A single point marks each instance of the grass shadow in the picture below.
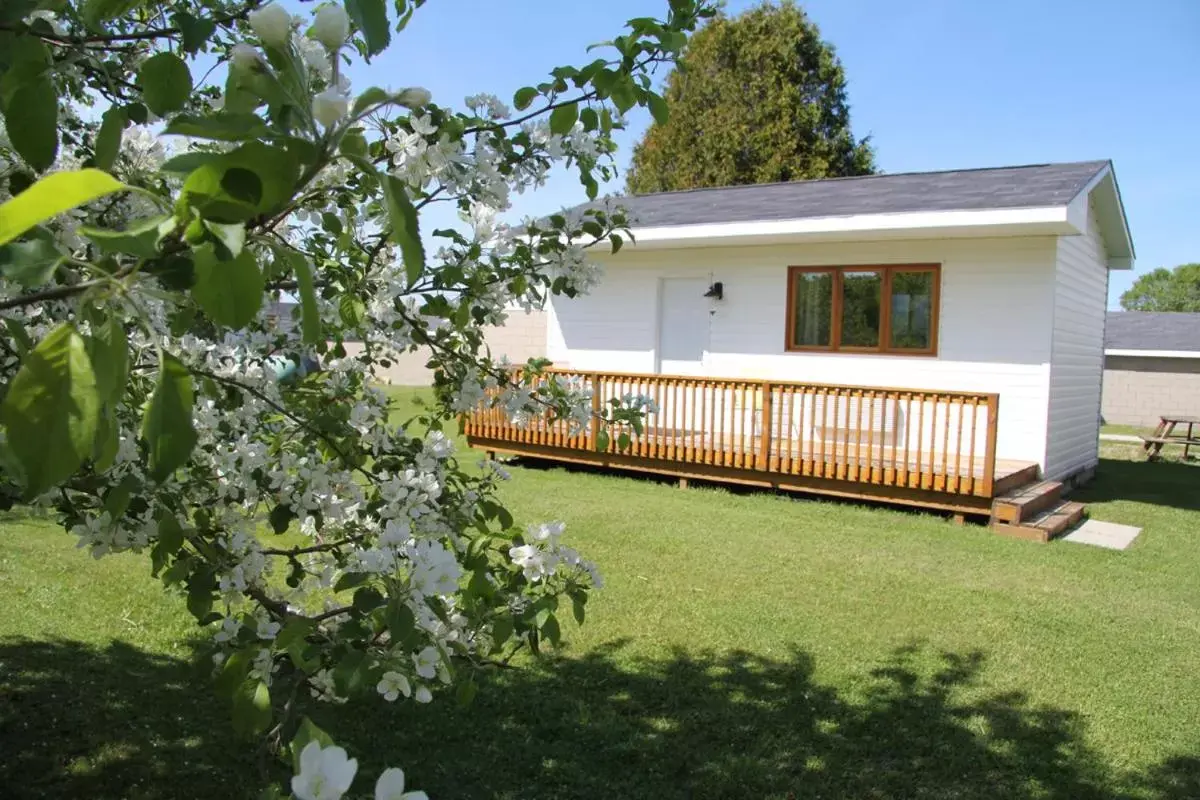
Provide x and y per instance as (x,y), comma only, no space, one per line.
(78,721)
(736,725)
(82,721)
(1173,484)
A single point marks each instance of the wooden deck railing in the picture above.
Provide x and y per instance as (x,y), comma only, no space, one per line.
(923,439)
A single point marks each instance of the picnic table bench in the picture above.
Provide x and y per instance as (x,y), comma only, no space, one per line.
(1165,434)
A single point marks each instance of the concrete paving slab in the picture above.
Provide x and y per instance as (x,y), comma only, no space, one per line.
(1103,534)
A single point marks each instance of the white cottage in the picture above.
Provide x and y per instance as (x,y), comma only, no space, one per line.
(929,338)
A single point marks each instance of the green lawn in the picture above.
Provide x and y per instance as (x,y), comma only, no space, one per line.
(747,645)
(1127,430)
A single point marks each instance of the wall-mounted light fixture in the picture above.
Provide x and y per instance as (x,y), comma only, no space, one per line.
(717,291)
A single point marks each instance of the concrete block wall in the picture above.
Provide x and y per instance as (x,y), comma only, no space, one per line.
(1138,390)
(522,337)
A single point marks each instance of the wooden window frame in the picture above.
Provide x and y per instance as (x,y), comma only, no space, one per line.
(886,272)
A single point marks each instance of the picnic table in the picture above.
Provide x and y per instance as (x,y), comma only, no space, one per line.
(1165,434)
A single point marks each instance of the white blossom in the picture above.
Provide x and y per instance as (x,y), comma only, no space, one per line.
(426,662)
(392,685)
(331,26)
(330,106)
(414,97)
(271,24)
(390,786)
(244,56)
(325,773)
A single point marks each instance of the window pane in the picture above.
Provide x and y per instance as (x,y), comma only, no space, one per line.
(912,310)
(861,296)
(813,307)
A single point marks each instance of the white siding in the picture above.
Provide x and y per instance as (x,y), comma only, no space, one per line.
(1077,352)
(997,300)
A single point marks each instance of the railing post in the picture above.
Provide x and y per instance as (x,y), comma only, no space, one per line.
(989,449)
(764,446)
(595,410)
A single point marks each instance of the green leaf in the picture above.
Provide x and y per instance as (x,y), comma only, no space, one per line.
(185,163)
(577,607)
(51,408)
(617,242)
(31,262)
(623,96)
(466,691)
(108,139)
(400,620)
(108,348)
(350,673)
(367,599)
(228,240)
(354,143)
(551,630)
(294,632)
(108,441)
(138,114)
(371,97)
(51,196)
(167,425)
(230,292)
(166,83)
(20,336)
(201,587)
(590,119)
(524,97)
(96,12)
(255,179)
(563,118)
(310,315)
(370,17)
(623,442)
(226,126)
(234,672)
(170,540)
(251,708)
(602,441)
(281,517)
(27,58)
(116,501)
(195,31)
(502,629)
(307,732)
(403,216)
(140,240)
(658,108)
(31,119)
(349,580)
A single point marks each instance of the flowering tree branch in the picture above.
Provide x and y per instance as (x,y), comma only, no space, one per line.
(165,177)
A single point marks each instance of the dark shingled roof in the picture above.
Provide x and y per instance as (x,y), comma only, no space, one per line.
(1032,186)
(1152,330)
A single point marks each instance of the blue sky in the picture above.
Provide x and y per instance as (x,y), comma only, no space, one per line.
(938,84)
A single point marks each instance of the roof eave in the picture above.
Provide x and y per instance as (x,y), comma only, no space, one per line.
(1040,221)
(1103,191)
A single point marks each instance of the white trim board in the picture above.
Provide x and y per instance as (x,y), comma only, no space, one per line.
(1046,221)
(1153,353)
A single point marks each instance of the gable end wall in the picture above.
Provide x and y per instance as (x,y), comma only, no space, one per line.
(1077,352)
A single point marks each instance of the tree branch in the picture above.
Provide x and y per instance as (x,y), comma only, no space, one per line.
(316,548)
(151,33)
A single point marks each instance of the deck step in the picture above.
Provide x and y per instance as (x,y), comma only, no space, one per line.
(1044,526)
(1027,501)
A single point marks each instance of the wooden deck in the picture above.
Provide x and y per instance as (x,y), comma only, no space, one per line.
(927,448)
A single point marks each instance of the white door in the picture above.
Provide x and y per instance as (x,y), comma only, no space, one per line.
(683,322)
